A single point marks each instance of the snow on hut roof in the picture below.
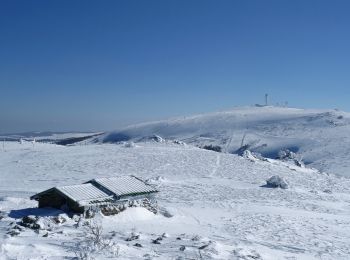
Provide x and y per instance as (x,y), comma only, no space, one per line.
(123,186)
(101,190)
(83,192)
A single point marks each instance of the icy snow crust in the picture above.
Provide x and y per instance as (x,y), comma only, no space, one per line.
(216,204)
(321,137)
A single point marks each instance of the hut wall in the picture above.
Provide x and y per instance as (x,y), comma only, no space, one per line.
(73,206)
(52,199)
(56,200)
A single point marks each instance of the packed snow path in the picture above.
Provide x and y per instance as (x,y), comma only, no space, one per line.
(230,214)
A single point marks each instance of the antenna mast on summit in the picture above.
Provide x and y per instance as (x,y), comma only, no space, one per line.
(266,96)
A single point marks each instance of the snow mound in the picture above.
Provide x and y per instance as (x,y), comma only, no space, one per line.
(156,180)
(129,144)
(134,214)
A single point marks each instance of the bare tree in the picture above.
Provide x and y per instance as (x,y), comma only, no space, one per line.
(95,243)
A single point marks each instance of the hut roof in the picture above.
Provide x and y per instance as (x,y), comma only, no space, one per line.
(101,190)
(84,193)
(124,186)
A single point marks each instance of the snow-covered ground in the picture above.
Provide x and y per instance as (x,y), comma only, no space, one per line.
(216,204)
(321,137)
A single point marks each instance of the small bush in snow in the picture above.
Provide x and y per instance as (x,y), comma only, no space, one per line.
(277,182)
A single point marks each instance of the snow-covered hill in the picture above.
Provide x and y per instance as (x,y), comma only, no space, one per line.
(212,205)
(216,203)
(320,137)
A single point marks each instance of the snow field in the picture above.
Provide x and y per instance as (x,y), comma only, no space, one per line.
(217,202)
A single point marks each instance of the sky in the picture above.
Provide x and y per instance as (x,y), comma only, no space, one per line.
(101,65)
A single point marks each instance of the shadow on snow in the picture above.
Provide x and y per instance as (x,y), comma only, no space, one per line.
(42,212)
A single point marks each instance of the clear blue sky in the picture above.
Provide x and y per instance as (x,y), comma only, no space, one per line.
(99,65)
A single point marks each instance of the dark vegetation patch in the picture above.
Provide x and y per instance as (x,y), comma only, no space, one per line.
(215,148)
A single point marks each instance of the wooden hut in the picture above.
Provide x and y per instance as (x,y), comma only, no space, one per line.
(95,193)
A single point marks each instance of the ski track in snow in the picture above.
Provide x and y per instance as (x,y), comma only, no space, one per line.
(216,166)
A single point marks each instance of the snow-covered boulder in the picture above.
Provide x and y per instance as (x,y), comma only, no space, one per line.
(157,180)
(287,155)
(277,182)
(158,139)
(248,155)
(129,145)
(253,156)
(152,138)
(179,142)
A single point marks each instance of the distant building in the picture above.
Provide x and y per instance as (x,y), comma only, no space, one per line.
(95,193)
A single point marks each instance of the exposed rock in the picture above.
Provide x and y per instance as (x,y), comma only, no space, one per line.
(13,233)
(30,222)
(18,228)
(156,241)
(253,156)
(196,238)
(150,205)
(59,219)
(203,246)
(165,235)
(157,139)
(287,155)
(179,142)
(116,209)
(89,214)
(132,237)
(246,254)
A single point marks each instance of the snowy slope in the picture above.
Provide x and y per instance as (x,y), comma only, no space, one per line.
(219,207)
(321,137)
